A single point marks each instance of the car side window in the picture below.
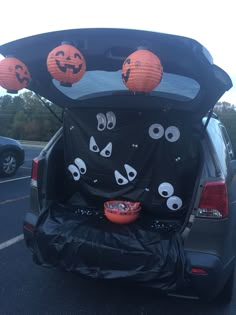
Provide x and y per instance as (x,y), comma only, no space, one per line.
(228,142)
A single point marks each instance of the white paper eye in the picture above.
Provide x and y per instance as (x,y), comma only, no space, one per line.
(93,145)
(172,134)
(174,203)
(106,152)
(111,120)
(166,190)
(81,165)
(120,179)
(156,131)
(102,122)
(131,172)
(74,171)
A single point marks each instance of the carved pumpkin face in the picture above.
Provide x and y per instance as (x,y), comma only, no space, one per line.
(14,75)
(142,71)
(66,64)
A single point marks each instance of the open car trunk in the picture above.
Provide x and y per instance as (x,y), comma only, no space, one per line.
(151,156)
(120,143)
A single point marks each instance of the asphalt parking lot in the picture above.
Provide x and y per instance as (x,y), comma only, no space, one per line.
(30,289)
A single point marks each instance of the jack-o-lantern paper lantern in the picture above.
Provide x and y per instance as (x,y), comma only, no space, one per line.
(142,71)
(66,64)
(14,75)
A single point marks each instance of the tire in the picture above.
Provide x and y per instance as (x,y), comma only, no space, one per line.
(8,163)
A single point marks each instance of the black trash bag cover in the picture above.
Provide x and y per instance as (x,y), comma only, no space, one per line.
(84,241)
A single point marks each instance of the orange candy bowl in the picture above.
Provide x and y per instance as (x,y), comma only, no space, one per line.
(121,212)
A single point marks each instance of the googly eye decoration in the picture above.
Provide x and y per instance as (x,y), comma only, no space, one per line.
(130,171)
(156,131)
(107,151)
(81,165)
(102,122)
(111,120)
(120,179)
(108,121)
(131,174)
(172,134)
(74,171)
(93,145)
(166,190)
(174,203)
(78,170)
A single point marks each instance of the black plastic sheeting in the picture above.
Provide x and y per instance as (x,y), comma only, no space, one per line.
(146,251)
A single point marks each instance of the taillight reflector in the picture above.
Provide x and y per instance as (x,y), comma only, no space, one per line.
(214,200)
(199,271)
(29,227)
(34,172)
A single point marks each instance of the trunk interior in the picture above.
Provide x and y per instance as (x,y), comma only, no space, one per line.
(146,156)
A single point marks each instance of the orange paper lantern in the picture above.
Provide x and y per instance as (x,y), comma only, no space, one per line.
(14,75)
(142,71)
(66,64)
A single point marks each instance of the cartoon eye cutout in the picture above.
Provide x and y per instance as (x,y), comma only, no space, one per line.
(102,122)
(106,152)
(121,180)
(74,171)
(174,203)
(156,131)
(81,165)
(172,134)
(131,172)
(111,120)
(166,190)
(93,145)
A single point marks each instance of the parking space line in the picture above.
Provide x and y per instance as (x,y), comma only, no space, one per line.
(13,179)
(12,241)
(13,200)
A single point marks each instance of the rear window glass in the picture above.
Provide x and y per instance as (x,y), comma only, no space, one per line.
(94,82)
(227,141)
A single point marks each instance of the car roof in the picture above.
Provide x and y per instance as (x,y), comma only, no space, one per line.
(106,49)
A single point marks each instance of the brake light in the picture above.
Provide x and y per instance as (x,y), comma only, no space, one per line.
(34,172)
(214,200)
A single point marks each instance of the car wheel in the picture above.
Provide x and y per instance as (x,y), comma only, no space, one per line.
(8,163)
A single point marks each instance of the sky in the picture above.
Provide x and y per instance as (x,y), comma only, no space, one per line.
(210,22)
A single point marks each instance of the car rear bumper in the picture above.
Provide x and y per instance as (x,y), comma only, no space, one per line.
(210,283)
(205,285)
(29,225)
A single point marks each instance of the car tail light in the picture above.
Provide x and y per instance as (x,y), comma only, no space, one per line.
(34,172)
(214,200)
(198,271)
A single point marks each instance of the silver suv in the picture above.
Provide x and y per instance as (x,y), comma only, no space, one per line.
(162,149)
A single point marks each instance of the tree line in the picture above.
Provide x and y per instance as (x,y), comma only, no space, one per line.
(26,117)
(227,114)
